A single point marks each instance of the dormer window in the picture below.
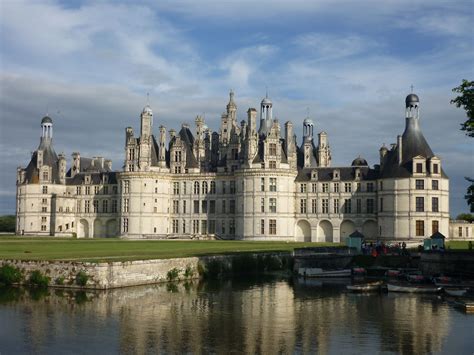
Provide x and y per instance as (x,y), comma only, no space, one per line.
(435,169)
(335,175)
(419,168)
(314,175)
(88,179)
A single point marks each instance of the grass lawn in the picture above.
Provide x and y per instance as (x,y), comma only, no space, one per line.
(96,250)
(458,244)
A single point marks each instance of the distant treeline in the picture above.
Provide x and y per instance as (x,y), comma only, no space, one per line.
(7,223)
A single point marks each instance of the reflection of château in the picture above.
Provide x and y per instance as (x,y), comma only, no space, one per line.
(242,182)
(267,318)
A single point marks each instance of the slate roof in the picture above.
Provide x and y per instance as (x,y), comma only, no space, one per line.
(345,173)
(50,159)
(96,178)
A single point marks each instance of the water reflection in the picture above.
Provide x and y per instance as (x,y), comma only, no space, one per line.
(243,316)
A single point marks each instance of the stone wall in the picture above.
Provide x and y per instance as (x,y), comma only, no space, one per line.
(143,272)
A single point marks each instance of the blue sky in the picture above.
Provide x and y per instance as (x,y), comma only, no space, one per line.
(91,63)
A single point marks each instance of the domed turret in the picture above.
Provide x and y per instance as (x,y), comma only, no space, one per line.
(147,109)
(46,119)
(359,161)
(412,100)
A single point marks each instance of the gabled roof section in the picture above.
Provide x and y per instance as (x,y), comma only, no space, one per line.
(50,159)
(345,173)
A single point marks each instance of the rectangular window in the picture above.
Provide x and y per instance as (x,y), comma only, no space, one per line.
(370,187)
(43,228)
(78,206)
(460,232)
(43,219)
(347,205)
(420,184)
(262,205)
(325,205)
(184,187)
(195,226)
(381,186)
(232,227)
(88,190)
(175,206)
(126,187)
(358,205)
(114,189)
(232,206)
(44,209)
(125,225)
(434,184)
(223,227)
(175,188)
(348,187)
(223,206)
(262,184)
(78,190)
(96,190)
(204,206)
(105,206)
(420,228)
(87,206)
(381,205)
(325,187)
(95,205)
(435,169)
(212,226)
(184,206)
(336,187)
(273,205)
(273,149)
(420,204)
(232,187)
(175,227)
(370,205)
(314,188)
(196,206)
(303,205)
(212,206)
(204,227)
(358,187)
(105,190)
(303,188)
(262,226)
(224,187)
(419,168)
(125,204)
(434,227)
(435,204)
(273,164)
(272,226)
(336,205)
(114,206)
(273,184)
(314,206)
(213,187)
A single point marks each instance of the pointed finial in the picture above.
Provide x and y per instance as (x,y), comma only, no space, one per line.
(148,98)
(266,91)
(411,87)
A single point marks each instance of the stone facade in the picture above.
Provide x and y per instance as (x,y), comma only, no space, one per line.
(243,182)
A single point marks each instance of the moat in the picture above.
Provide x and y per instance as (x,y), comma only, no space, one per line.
(245,315)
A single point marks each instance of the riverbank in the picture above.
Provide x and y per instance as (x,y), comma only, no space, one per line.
(113,249)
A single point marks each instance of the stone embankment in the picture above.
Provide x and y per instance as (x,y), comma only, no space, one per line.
(108,275)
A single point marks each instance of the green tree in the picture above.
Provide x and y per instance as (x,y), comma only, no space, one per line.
(465,217)
(7,224)
(466,100)
(470,194)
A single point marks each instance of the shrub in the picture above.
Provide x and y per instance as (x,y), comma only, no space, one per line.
(59,280)
(10,274)
(38,279)
(81,278)
(172,274)
(188,272)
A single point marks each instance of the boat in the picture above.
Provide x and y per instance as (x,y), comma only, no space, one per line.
(318,272)
(368,287)
(393,273)
(413,289)
(457,292)
(359,271)
(415,278)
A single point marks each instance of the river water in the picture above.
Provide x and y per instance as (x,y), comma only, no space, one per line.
(249,316)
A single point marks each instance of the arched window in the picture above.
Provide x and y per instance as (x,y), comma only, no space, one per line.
(204,187)
(196,187)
